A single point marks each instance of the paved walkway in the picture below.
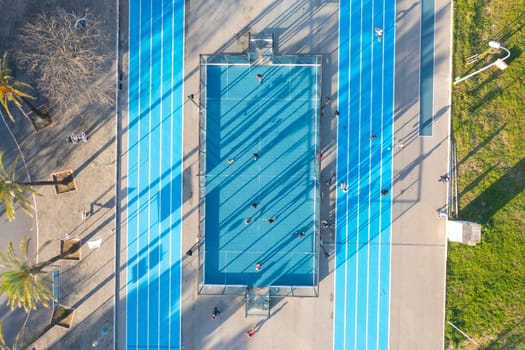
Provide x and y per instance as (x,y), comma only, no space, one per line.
(419,245)
(299,27)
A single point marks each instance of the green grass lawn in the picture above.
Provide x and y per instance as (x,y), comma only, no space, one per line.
(486,284)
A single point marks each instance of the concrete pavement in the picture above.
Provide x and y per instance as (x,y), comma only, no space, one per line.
(419,245)
(307,27)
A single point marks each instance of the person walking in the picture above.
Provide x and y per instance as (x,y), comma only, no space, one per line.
(444,178)
(250,333)
(216,312)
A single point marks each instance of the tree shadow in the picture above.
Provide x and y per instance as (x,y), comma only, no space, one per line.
(497,195)
(476,149)
(477,180)
(511,338)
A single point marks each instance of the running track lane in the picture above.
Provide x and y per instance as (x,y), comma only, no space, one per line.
(363,215)
(156,48)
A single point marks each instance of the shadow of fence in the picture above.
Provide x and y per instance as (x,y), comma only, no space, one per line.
(497,195)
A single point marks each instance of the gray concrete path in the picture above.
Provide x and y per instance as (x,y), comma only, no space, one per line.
(419,245)
(308,27)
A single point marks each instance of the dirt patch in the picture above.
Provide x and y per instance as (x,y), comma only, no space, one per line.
(63,316)
(65,182)
(70,249)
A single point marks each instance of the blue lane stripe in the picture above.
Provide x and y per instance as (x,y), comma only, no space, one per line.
(165,150)
(363,216)
(427,68)
(386,176)
(154,180)
(133,114)
(176,175)
(154,173)
(376,127)
(364,175)
(141,268)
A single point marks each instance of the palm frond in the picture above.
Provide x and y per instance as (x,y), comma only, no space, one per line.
(24,248)
(12,192)
(25,285)
(9,89)
(22,84)
(3,344)
(4,104)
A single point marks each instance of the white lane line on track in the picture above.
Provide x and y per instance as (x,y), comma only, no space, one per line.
(149,115)
(170,179)
(159,191)
(179,345)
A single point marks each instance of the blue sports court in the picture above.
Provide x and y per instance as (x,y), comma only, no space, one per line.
(259,185)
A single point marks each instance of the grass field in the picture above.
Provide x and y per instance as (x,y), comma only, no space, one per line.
(486,284)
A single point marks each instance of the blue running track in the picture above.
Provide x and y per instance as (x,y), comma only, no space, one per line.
(364,164)
(154,200)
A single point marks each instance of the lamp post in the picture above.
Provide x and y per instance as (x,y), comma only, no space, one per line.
(500,62)
(103,332)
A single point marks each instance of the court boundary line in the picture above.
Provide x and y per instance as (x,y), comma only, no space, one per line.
(227,64)
(315,73)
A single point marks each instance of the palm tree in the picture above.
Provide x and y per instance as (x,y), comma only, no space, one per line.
(25,284)
(12,192)
(19,336)
(3,344)
(9,89)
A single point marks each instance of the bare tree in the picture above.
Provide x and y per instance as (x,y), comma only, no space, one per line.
(66,53)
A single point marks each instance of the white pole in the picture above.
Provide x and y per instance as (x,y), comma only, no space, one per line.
(495,45)
(464,334)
